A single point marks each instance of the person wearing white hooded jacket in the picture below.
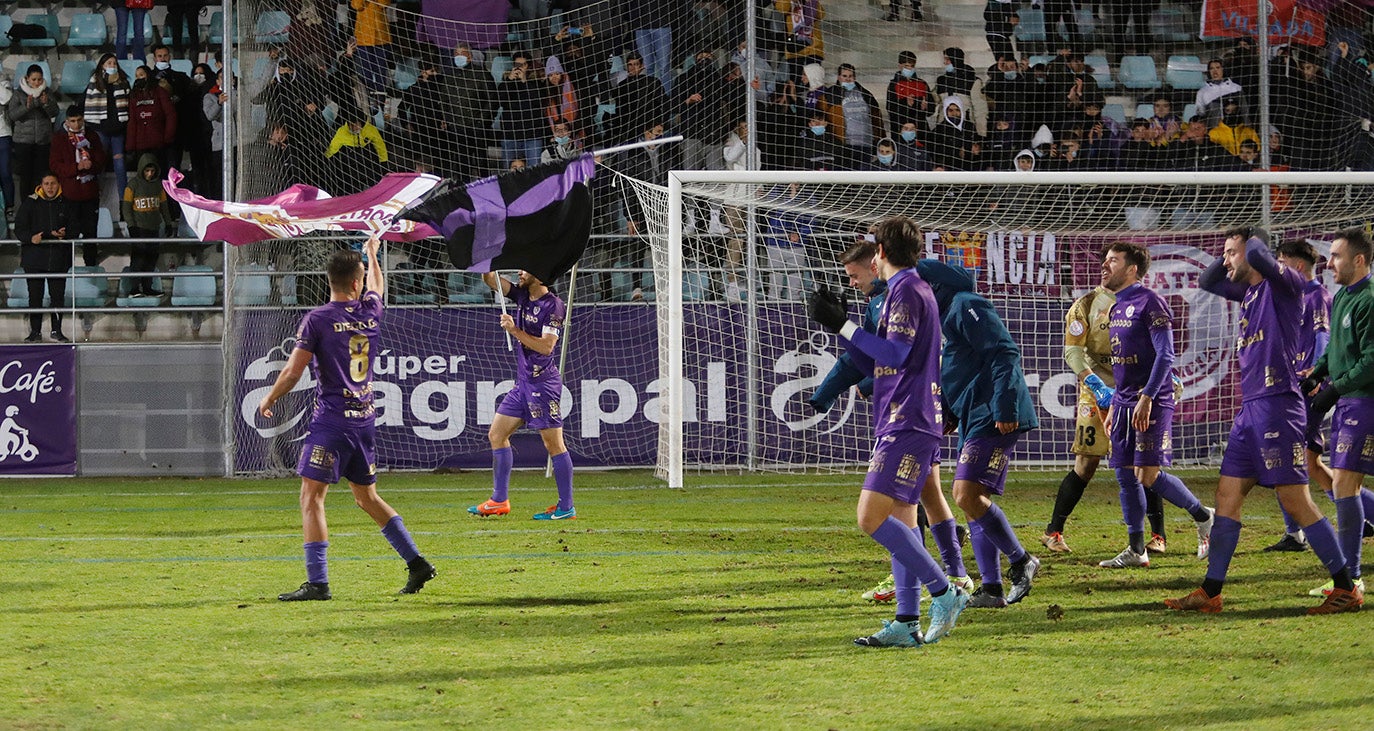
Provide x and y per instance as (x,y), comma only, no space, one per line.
(32,109)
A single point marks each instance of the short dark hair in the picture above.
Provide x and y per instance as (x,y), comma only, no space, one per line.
(162,46)
(861,253)
(633,56)
(1356,243)
(846,67)
(1299,249)
(1135,254)
(902,241)
(75,110)
(343,269)
(906,57)
(33,69)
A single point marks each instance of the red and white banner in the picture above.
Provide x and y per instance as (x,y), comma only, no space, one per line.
(303,209)
(1289,21)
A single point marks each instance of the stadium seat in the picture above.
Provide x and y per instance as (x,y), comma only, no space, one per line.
(47,20)
(1185,73)
(150,34)
(262,69)
(1087,25)
(1189,111)
(1114,111)
(1040,59)
(19,293)
(194,291)
(499,66)
(126,285)
(274,26)
(696,284)
(130,65)
(88,30)
(75,76)
(214,32)
(409,288)
(23,65)
(87,291)
(1138,72)
(1031,29)
(1172,25)
(6,22)
(183,65)
(405,77)
(1144,110)
(252,285)
(467,288)
(185,31)
(1101,71)
(104,224)
(288,290)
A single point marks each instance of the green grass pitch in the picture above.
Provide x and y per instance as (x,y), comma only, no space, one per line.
(730,604)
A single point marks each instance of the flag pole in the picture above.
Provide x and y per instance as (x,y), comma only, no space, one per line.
(563,343)
(501,300)
(636,145)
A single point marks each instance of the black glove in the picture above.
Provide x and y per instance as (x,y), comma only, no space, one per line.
(828,309)
(1309,384)
(1321,403)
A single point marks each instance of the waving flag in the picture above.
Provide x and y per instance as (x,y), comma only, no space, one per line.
(1290,21)
(303,209)
(538,219)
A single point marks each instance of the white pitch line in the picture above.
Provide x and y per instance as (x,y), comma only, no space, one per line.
(480,532)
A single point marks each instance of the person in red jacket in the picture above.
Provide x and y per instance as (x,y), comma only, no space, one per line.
(77,159)
(152,117)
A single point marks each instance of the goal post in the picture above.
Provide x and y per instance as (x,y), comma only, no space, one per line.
(1032,240)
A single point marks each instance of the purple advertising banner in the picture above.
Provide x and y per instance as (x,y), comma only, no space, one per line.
(38,399)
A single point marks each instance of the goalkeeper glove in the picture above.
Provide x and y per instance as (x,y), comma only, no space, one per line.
(827,309)
(1101,391)
(1322,403)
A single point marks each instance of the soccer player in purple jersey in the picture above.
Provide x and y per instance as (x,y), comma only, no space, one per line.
(535,398)
(1267,441)
(1349,362)
(904,357)
(1141,415)
(337,341)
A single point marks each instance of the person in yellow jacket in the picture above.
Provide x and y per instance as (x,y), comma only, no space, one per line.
(1232,131)
(357,155)
(372,33)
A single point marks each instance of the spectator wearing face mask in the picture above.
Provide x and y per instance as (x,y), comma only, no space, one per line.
(152,118)
(77,158)
(107,111)
(470,107)
(952,138)
(853,113)
(819,149)
(908,97)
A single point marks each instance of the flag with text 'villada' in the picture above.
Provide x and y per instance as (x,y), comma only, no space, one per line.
(537,219)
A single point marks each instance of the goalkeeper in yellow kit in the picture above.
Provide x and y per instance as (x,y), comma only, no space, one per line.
(1087,350)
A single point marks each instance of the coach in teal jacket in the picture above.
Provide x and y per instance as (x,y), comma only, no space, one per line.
(844,373)
(980,365)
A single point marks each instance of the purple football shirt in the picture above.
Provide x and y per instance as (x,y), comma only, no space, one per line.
(1267,344)
(536,318)
(343,336)
(1316,318)
(907,397)
(1138,314)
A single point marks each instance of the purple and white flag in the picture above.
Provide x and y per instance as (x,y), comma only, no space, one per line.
(38,410)
(303,209)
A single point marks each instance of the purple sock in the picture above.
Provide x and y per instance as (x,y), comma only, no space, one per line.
(1322,538)
(1172,489)
(1289,524)
(562,476)
(501,461)
(399,538)
(316,565)
(947,540)
(1132,500)
(997,528)
(1225,536)
(900,541)
(985,555)
(908,590)
(1350,524)
(1367,499)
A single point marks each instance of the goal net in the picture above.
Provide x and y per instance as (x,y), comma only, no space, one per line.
(742,249)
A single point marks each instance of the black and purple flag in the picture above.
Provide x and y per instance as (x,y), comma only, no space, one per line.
(537,219)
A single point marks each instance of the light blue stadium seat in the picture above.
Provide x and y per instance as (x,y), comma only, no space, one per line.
(499,66)
(150,35)
(410,288)
(252,285)
(6,22)
(288,290)
(185,31)
(1087,24)
(262,68)
(467,288)
(194,291)
(87,291)
(274,26)
(130,65)
(1173,25)
(19,293)
(104,224)
(1114,111)
(405,77)
(1031,29)
(1101,71)
(1138,72)
(1040,59)
(1144,110)
(88,30)
(1184,73)
(214,32)
(23,65)
(75,76)
(1189,111)
(183,65)
(126,285)
(696,285)
(47,20)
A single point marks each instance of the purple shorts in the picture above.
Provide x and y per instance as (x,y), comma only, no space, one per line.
(1352,436)
(537,404)
(1267,443)
(901,463)
(1151,448)
(1315,441)
(328,453)
(985,460)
